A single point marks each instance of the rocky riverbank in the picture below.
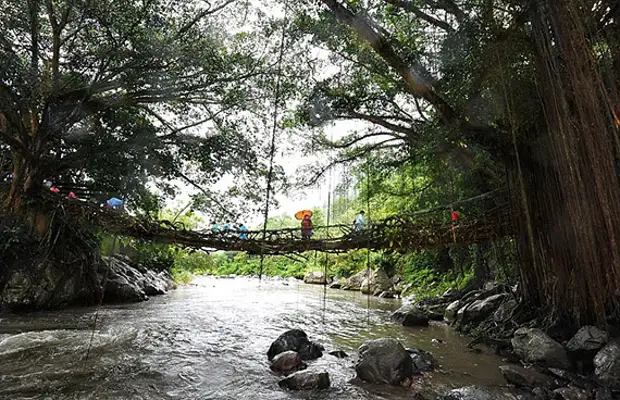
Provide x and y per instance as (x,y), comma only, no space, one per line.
(542,364)
(116,280)
(545,375)
(128,282)
(586,366)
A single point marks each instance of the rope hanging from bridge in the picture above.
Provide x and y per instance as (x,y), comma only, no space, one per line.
(274,131)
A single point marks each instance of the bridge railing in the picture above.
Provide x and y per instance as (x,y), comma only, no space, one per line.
(400,233)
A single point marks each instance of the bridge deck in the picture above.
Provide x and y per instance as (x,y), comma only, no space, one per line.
(396,233)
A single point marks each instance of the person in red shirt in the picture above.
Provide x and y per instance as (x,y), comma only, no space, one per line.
(306,227)
(455,216)
(455,219)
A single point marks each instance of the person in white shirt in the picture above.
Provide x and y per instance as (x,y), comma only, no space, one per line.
(359,221)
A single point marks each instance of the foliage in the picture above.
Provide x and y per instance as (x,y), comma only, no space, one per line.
(119,95)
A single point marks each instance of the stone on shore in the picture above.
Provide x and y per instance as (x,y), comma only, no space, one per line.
(533,345)
(607,366)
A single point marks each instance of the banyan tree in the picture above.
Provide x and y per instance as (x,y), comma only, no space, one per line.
(532,84)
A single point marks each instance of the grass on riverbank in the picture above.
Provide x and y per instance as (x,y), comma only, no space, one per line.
(415,271)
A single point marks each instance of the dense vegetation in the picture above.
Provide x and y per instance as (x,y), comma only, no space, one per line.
(457,99)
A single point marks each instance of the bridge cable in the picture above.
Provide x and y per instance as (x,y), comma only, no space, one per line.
(329,203)
(272,149)
(368,234)
(103,285)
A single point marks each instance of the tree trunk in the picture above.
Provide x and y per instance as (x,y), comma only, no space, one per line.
(27,179)
(567,182)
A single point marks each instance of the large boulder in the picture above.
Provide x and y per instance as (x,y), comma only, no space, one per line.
(125,283)
(481,309)
(295,340)
(584,345)
(410,315)
(355,282)
(588,338)
(384,361)
(316,278)
(287,362)
(47,284)
(607,366)
(306,380)
(153,284)
(377,282)
(526,377)
(488,393)
(533,345)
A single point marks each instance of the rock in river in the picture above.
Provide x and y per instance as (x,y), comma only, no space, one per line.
(306,380)
(422,360)
(124,283)
(377,283)
(410,315)
(287,362)
(450,313)
(384,361)
(355,281)
(480,309)
(317,278)
(295,340)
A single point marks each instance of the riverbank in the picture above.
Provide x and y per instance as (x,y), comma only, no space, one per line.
(543,361)
(548,363)
(116,279)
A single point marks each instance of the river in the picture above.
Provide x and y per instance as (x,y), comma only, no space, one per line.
(209,341)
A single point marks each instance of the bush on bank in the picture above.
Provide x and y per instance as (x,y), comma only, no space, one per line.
(426,272)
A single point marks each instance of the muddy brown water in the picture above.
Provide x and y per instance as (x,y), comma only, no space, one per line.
(209,341)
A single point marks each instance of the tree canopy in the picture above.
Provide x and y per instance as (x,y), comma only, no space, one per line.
(120,93)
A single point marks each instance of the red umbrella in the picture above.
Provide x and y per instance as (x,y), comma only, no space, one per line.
(301,214)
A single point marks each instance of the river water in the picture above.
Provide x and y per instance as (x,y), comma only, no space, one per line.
(209,341)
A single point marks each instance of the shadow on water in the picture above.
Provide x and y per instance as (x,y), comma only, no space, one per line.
(209,341)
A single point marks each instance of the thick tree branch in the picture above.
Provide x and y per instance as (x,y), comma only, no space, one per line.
(414,77)
(347,142)
(410,7)
(451,7)
(382,121)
